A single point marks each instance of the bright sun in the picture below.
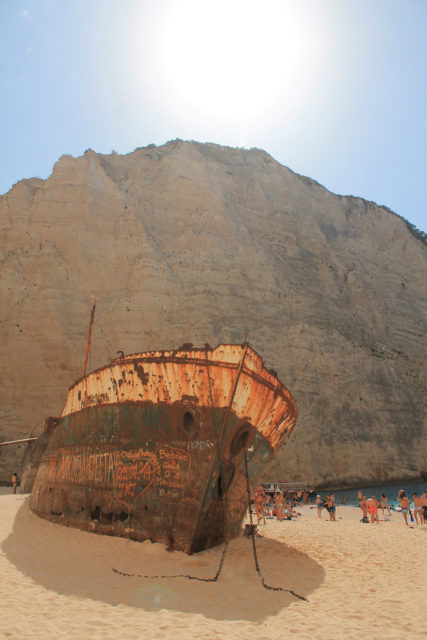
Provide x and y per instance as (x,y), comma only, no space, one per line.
(234,60)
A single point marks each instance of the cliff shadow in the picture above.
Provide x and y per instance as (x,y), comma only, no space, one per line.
(73,562)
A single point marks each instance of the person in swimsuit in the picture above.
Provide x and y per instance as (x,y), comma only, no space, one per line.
(279,504)
(14,481)
(319,505)
(260,498)
(424,506)
(418,508)
(287,511)
(364,506)
(385,505)
(331,507)
(404,504)
(373,509)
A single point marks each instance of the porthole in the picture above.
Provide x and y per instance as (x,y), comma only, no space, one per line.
(240,440)
(189,422)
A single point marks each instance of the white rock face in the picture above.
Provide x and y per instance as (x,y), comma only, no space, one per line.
(199,243)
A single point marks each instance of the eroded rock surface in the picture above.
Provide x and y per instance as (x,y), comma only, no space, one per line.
(199,243)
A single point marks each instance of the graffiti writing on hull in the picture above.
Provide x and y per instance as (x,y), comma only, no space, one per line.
(174,467)
(127,474)
(134,472)
(195,445)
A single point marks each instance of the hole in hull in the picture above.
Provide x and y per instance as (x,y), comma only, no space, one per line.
(240,440)
(188,421)
(122,516)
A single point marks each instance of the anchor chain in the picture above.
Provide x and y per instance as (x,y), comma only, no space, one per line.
(181,575)
(224,500)
(254,549)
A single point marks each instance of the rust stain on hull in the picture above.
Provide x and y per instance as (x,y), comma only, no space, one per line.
(152,445)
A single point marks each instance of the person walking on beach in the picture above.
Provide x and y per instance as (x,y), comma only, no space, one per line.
(331,507)
(260,498)
(418,508)
(279,504)
(14,481)
(384,504)
(319,505)
(404,505)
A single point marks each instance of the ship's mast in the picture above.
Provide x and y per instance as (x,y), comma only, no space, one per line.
(92,315)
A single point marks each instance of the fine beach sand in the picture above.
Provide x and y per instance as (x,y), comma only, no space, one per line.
(361,581)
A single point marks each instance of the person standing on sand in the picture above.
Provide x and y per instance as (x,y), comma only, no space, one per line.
(260,498)
(373,509)
(14,481)
(404,505)
(331,507)
(319,505)
(279,504)
(364,506)
(424,506)
(384,504)
(418,508)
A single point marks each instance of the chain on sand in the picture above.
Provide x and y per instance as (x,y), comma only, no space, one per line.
(258,570)
(221,562)
(181,575)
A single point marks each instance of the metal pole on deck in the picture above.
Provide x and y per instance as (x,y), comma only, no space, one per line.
(92,315)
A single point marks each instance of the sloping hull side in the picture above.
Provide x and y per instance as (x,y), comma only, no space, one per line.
(33,455)
(148,471)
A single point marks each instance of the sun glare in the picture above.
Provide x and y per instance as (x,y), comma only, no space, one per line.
(235,60)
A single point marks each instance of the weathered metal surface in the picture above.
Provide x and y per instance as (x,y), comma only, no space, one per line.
(33,454)
(152,445)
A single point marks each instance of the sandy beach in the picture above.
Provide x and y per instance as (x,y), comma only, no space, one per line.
(360,580)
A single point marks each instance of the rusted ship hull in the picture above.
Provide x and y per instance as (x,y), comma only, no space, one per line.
(153,446)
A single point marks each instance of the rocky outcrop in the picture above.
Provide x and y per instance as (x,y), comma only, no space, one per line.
(199,243)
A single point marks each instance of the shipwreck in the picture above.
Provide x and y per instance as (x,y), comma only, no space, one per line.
(159,445)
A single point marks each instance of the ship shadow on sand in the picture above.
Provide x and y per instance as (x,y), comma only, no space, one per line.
(77,563)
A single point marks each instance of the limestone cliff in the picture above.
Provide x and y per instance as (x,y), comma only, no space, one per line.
(199,243)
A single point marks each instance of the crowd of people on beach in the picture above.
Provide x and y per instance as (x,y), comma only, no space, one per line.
(372,505)
(277,505)
(327,503)
(282,505)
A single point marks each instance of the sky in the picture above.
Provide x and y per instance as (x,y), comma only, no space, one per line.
(334,89)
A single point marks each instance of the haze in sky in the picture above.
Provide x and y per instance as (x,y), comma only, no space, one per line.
(333,89)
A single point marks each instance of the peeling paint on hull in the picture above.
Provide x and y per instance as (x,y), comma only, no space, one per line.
(152,446)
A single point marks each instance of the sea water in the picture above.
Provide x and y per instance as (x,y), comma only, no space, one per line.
(390,491)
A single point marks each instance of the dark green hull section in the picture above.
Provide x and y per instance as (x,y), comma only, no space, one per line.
(150,471)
